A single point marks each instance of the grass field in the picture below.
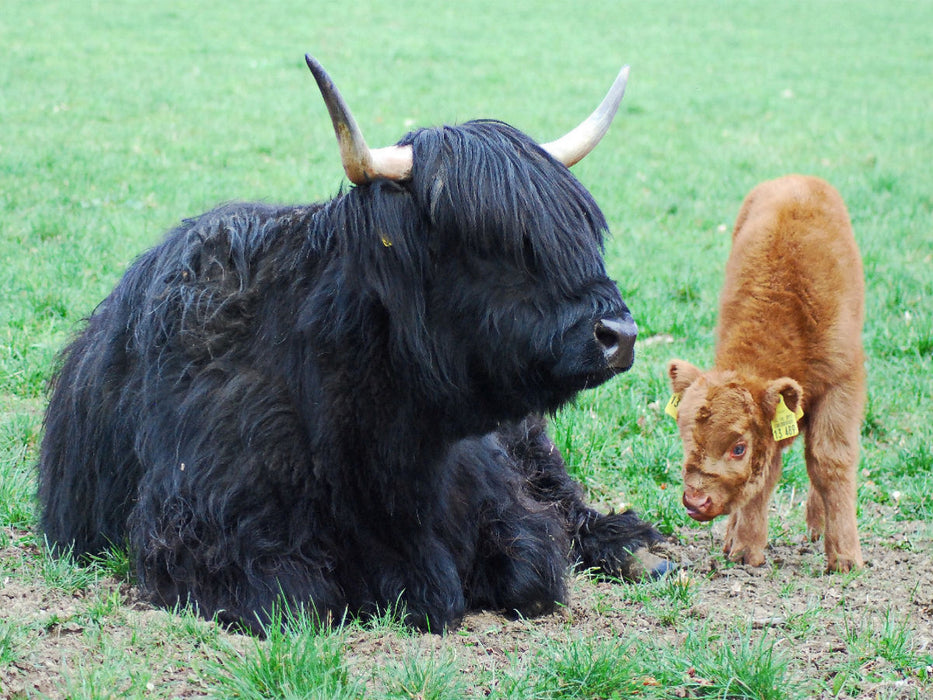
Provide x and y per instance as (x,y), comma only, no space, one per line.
(117,119)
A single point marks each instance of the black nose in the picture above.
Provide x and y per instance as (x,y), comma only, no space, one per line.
(616,336)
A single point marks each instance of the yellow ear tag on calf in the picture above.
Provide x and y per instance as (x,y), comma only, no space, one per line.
(671,408)
(784,424)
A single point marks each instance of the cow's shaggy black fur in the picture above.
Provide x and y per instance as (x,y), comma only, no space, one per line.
(330,404)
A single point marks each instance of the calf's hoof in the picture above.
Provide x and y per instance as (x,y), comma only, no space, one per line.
(842,565)
(750,556)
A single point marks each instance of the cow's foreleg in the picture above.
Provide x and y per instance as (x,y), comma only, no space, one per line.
(617,544)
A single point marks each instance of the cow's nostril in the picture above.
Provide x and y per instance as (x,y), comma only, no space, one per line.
(607,338)
(617,336)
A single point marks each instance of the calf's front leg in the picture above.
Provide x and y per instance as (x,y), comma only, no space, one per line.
(747,528)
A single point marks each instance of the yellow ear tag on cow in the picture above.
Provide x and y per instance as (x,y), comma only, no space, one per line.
(671,408)
(784,424)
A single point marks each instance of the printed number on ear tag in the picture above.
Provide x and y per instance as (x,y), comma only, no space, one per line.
(784,424)
(671,408)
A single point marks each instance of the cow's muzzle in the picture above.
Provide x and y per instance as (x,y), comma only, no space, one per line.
(616,337)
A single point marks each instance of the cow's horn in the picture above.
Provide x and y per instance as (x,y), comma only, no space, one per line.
(361,163)
(573,146)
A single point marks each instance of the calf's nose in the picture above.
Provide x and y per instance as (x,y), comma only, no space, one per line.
(616,337)
(697,504)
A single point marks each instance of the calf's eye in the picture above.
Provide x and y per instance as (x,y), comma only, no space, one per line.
(738,450)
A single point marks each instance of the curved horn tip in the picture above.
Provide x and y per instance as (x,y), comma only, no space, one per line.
(610,104)
(622,77)
(573,146)
(317,70)
(360,163)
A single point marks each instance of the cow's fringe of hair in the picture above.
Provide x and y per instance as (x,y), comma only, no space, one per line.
(507,192)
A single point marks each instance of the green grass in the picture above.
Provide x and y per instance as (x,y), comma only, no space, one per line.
(744,666)
(705,665)
(295,660)
(117,119)
(434,676)
(10,640)
(584,668)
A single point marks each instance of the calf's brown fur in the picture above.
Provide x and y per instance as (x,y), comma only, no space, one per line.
(790,324)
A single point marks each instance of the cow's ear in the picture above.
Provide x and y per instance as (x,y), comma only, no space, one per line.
(786,387)
(682,375)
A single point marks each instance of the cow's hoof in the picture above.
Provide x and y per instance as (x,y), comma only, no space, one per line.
(645,565)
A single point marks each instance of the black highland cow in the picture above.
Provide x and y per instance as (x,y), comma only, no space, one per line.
(334,405)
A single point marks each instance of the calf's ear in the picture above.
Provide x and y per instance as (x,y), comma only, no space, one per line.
(682,375)
(786,387)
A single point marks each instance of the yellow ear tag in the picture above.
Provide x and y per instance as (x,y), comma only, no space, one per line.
(671,408)
(784,424)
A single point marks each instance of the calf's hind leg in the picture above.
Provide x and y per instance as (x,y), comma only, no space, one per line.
(832,453)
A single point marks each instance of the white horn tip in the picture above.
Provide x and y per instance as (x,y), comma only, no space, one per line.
(572,147)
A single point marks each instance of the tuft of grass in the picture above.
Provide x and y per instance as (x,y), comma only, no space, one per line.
(667,599)
(882,650)
(103,606)
(185,627)
(11,639)
(105,675)
(420,676)
(16,502)
(674,595)
(389,621)
(890,638)
(711,665)
(706,664)
(59,570)
(585,668)
(296,659)
(116,563)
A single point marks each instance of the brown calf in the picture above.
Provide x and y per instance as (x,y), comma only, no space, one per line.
(788,354)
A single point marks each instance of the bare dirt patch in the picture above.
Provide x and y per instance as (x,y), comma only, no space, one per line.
(825,625)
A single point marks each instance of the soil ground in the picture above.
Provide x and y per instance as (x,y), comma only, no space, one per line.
(820,623)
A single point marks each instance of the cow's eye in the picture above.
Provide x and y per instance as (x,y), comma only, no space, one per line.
(738,450)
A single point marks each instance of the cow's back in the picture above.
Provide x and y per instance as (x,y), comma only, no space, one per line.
(186,303)
(793,296)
